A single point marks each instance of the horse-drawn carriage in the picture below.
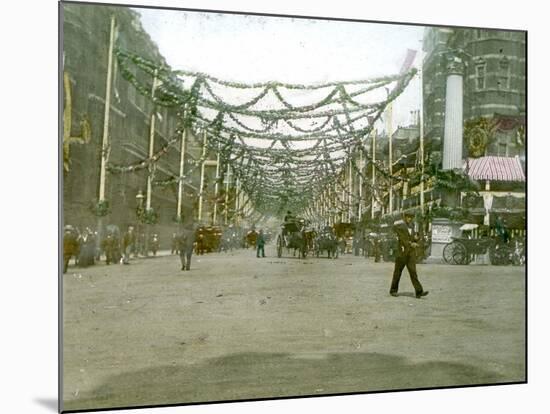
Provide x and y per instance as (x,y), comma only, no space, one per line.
(293,236)
(463,250)
(344,233)
(208,239)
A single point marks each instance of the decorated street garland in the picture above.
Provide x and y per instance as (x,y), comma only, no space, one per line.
(309,144)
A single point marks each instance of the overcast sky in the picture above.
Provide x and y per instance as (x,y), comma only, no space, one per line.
(250,49)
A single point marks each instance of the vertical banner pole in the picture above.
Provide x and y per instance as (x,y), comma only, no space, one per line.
(216,186)
(182,168)
(201,187)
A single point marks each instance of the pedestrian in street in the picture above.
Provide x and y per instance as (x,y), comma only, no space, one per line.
(502,230)
(407,240)
(260,243)
(128,242)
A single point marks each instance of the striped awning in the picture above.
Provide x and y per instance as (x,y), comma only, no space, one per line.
(495,168)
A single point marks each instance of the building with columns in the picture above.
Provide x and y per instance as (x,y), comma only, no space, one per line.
(474,83)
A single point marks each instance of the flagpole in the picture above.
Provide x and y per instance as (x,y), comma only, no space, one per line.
(350,196)
(151,144)
(105,140)
(216,186)
(182,167)
(373,172)
(227,178)
(201,186)
(105,137)
(390,155)
(359,211)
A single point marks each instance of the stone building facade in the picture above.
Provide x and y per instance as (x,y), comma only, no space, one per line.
(86,33)
(494,84)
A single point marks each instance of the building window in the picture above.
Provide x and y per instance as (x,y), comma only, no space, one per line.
(481,33)
(480,77)
(503,81)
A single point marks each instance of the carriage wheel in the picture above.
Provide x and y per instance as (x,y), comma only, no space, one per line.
(455,253)
(279,246)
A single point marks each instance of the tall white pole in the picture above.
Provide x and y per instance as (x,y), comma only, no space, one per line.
(360,208)
(350,195)
(336,198)
(105,140)
(341,198)
(216,187)
(389,115)
(182,166)
(421,122)
(373,172)
(151,144)
(227,178)
(237,195)
(201,186)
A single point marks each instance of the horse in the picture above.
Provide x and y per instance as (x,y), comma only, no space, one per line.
(185,241)
(326,241)
(71,247)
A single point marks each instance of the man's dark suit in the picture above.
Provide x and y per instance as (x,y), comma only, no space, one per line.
(405,256)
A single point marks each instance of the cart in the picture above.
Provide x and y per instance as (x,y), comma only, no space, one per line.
(293,236)
(462,250)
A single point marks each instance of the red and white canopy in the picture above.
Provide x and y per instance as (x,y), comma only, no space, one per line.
(495,168)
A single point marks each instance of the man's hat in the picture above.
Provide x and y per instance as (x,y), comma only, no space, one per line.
(408,214)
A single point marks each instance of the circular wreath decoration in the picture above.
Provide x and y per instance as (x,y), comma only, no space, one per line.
(477,142)
(478,133)
(150,216)
(101,208)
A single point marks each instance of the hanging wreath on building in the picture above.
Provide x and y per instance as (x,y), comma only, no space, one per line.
(478,133)
(150,216)
(101,208)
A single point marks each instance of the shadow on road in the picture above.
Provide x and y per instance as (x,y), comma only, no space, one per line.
(265,375)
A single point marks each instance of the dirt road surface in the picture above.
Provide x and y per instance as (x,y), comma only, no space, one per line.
(236,327)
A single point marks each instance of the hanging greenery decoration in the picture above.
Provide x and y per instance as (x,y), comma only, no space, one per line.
(100,208)
(309,144)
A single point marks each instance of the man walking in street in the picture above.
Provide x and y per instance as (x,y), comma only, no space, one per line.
(128,242)
(260,243)
(406,255)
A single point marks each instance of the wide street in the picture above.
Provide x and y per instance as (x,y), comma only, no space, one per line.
(237,327)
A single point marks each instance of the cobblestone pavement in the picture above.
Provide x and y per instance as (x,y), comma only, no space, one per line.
(237,327)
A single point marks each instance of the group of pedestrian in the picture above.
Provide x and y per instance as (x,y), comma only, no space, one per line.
(83,246)
(80,245)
